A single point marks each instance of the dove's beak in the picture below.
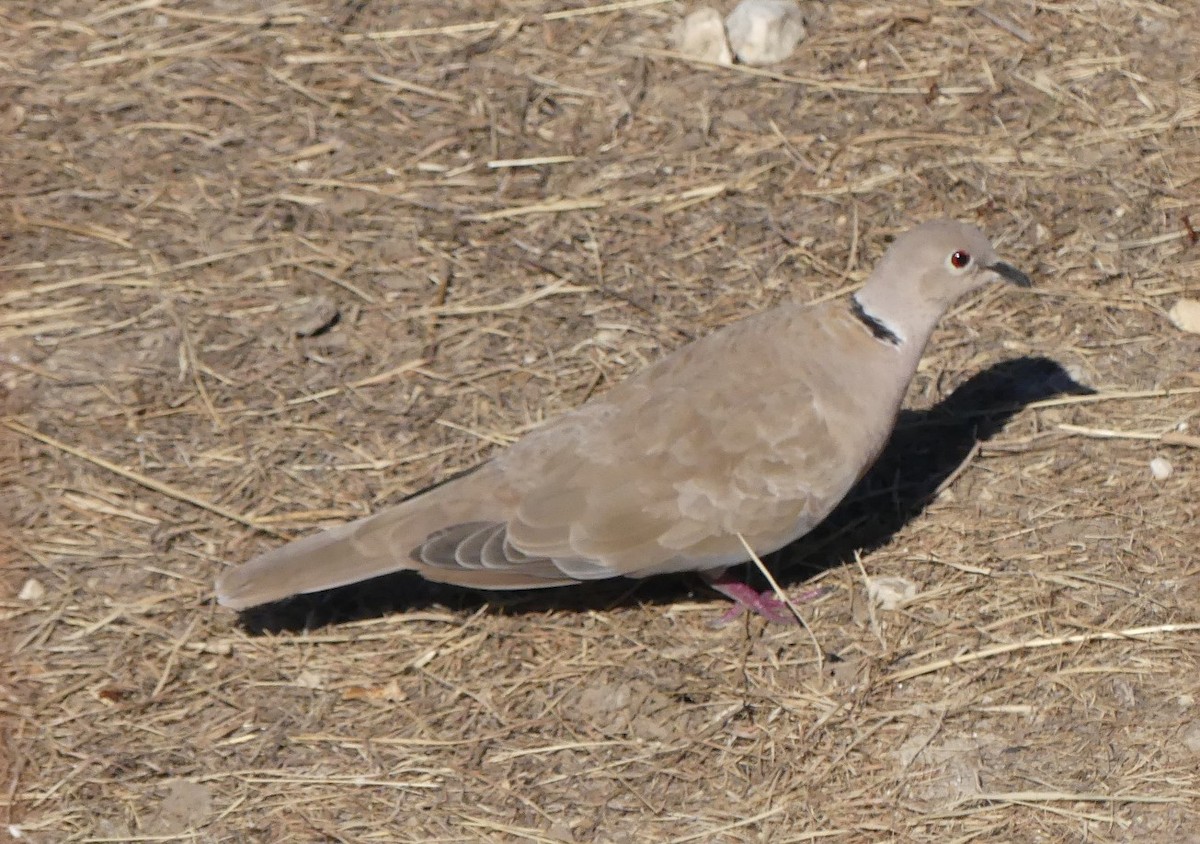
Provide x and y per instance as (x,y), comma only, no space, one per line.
(1010,273)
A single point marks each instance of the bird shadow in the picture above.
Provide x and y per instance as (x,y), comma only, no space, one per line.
(926,449)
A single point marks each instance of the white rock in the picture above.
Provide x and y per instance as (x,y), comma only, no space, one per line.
(890,593)
(1160,468)
(765,31)
(1186,315)
(32,591)
(1191,737)
(309,679)
(701,35)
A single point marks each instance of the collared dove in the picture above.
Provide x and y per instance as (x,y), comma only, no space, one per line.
(755,431)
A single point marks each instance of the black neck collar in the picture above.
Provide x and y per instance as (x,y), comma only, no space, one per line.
(879,329)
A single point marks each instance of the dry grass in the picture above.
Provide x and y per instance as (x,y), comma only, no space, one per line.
(506,208)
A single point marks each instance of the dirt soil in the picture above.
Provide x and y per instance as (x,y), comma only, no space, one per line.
(268,266)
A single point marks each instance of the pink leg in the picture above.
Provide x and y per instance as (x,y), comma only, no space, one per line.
(764,604)
(745,598)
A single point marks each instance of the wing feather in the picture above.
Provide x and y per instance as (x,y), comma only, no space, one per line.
(469,552)
(439,547)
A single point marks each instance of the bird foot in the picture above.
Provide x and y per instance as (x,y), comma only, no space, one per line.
(745,598)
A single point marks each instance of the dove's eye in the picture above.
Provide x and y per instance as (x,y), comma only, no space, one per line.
(959,260)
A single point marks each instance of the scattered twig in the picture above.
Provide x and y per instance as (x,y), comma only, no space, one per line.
(483,26)
(1115,395)
(128,474)
(808,81)
(553,289)
(1007,25)
(370,380)
(1030,644)
(783,596)
(535,161)
(1167,438)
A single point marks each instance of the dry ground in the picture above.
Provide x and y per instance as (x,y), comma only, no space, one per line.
(261,273)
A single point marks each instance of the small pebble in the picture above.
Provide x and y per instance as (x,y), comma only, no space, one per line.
(1186,315)
(1160,468)
(890,593)
(313,317)
(701,35)
(765,31)
(32,591)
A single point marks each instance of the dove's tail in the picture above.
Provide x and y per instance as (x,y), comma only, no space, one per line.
(404,537)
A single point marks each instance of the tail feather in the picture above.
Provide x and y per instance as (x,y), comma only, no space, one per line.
(324,560)
(390,541)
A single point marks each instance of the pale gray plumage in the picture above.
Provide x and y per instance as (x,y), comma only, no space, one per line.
(758,429)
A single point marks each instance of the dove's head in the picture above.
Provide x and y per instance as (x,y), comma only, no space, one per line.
(925,271)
